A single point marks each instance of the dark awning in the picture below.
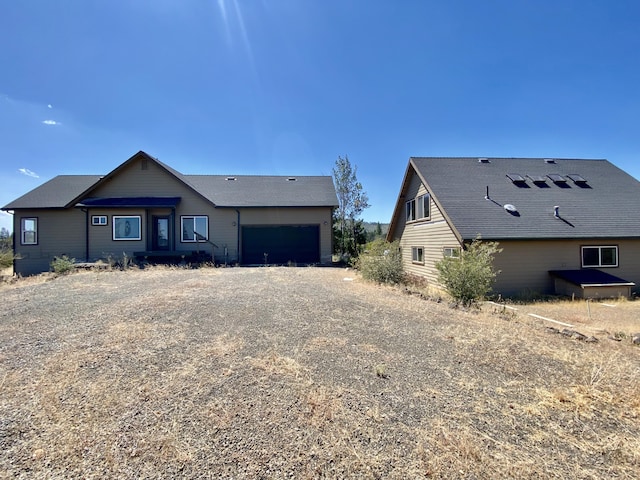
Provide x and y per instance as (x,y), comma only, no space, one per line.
(130,202)
(590,277)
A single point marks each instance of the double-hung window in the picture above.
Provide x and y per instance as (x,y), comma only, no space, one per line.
(29,231)
(600,256)
(194,228)
(417,254)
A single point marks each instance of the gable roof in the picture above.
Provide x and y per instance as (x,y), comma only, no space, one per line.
(602,201)
(65,191)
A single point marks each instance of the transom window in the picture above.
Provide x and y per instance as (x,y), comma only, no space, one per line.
(126,227)
(99,220)
(600,256)
(195,228)
(417,254)
(29,231)
(453,252)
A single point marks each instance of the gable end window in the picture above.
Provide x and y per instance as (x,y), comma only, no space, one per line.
(99,220)
(423,206)
(597,256)
(194,228)
(417,255)
(29,231)
(411,210)
(418,208)
(126,227)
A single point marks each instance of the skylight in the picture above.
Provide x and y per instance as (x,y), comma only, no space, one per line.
(537,178)
(556,178)
(576,178)
(516,178)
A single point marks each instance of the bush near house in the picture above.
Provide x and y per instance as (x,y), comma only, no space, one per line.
(381,262)
(62,264)
(470,277)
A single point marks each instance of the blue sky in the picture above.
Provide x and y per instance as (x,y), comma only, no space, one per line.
(285,86)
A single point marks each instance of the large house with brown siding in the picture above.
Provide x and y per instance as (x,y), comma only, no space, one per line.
(146,209)
(565,226)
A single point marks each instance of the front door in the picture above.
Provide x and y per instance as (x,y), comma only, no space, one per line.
(161,233)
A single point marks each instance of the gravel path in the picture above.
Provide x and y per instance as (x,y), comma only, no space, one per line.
(298,373)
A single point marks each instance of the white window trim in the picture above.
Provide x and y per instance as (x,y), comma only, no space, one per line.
(23,231)
(451,252)
(126,239)
(99,220)
(410,210)
(599,247)
(416,253)
(194,217)
(423,203)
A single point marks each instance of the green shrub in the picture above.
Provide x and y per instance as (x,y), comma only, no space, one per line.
(62,264)
(6,257)
(381,262)
(469,278)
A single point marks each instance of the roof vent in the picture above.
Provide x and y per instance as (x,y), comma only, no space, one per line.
(484,160)
(549,160)
(231,179)
(510,208)
(292,179)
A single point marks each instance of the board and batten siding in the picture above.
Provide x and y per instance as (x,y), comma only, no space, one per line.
(60,232)
(433,235)
(525,264)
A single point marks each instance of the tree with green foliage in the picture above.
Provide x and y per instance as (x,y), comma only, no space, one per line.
(469,277)
(352,200)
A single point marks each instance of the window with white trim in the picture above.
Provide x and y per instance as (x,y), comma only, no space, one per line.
(99,220)
(417,254)
(423,206)
(600,256)
(453,252)
(29,231)
(127,227)
(411,210)
(194,228)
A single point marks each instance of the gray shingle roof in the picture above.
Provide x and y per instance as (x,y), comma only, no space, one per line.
(244,191)
(607,205)
(56,193)
(265,191)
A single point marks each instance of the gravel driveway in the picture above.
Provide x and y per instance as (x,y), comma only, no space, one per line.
(298,373)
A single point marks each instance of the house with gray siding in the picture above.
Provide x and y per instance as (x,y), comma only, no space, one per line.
(565,226)
(148,210)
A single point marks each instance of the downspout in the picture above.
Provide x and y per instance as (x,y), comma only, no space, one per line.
(13,240)
(86,231)
(238,236)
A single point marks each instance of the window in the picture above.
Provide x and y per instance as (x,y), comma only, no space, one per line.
(417,254)
(453,252)
(195,229)
(99,220)
(126,228)
(600,256)
(29,231)
(411,210)
(423,206)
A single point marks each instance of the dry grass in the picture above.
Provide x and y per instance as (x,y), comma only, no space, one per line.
(297,373)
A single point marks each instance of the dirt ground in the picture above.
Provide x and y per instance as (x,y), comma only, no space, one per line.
(306,373)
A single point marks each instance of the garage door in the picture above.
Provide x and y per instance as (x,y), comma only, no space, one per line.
(282,244)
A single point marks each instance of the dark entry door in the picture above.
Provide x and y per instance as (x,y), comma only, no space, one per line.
(161,233)
(281,244)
